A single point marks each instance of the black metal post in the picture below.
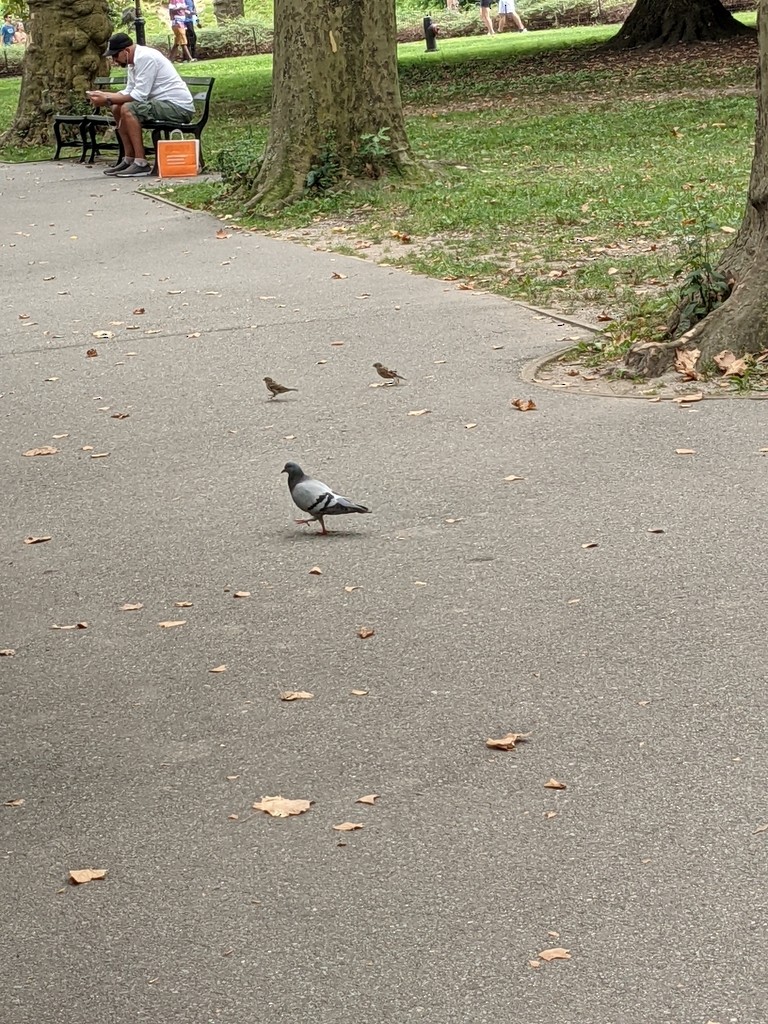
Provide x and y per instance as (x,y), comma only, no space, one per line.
(430,34)
(138,25)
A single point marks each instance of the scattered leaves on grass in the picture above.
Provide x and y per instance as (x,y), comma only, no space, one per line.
(359,693)
(36,540)
(45,450)
(364,632)
(296,695)
(419,412)
(315,571)
(171,623)
(131,607)
(558,953)
(685,451)
(91,353)
(14,803)
(685,363)
(370,799)
(7,652)
(75,625)
(219,668)
(348,826)
(507,742)
(105,335)
(523,404)
(242,593)
(83,875)
(279,807)
(554,784)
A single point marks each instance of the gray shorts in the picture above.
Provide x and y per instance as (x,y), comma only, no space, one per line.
(160,110)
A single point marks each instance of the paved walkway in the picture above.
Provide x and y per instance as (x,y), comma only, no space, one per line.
(638,666)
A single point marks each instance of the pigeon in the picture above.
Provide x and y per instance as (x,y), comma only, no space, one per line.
(316,498)
(276,389)
(386,373)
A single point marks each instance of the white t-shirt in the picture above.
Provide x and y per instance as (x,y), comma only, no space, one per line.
(153,77)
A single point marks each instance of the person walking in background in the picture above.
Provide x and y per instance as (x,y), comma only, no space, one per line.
(21,34)
(177,10)
(189,24)
(485,16)
(507,13)
(8,31)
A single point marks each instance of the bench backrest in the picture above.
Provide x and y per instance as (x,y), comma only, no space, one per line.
(200,87)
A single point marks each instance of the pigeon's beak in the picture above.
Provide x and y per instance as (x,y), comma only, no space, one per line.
(283,470)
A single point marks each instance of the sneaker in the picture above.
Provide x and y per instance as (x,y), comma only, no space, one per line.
(135,170)
(123,165)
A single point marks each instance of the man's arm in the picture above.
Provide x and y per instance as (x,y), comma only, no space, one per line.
(108,99)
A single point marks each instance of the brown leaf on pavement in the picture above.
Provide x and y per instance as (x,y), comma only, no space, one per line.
(534,963)
(120,415)
(656,529)
(219,668)
(760,830)
(590,544)
(507,742)
(523,404)
(139,310)
(419,412)
(91,353)
(171,623)
(512,477)
(348,826)
(359,693)
(685,451)
(45,450)
(364,632)
(131,607)
(36,540)
(370,799)
(554,784)
(182,604)
(558,953)
(7,652)
(685,362)
(83,875)
(349,590)
(242,593)
(75,625)
(336,276)
(685,399)
(279,807)
(315,571)
(296,695)
(19,802)
(221,233)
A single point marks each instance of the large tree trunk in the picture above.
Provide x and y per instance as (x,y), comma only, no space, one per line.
(228,10)
(334,81)
(741,322)
(64,55)
(669,22)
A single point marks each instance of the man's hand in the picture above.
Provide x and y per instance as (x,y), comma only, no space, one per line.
(98,98)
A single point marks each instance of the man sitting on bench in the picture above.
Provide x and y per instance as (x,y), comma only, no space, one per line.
(154,92)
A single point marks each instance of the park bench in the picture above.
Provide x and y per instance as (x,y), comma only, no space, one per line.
(89,125)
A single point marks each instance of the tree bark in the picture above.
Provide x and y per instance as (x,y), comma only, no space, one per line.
(66,42)
(334,80)
(228,10)
(653,23)
(741,322)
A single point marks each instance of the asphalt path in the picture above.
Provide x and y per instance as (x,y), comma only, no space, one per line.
(637,666)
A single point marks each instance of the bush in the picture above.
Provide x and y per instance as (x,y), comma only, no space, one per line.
(11,59)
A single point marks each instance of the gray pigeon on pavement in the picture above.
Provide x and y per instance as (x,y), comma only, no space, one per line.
(316,498)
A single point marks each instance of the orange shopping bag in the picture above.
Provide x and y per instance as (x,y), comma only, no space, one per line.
(178,158)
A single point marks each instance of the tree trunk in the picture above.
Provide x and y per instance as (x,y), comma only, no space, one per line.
(741,322)
(64,55)
(668,22)
(334,81)
(228,10)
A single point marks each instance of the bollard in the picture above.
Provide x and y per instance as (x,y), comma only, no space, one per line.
(430,34)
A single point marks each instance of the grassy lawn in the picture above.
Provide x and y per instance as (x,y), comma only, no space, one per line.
(551,172)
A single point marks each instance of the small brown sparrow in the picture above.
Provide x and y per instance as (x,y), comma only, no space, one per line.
(386,373)
(276,389)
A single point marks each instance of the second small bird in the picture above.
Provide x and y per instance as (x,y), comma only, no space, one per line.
(386,373)
(276,389)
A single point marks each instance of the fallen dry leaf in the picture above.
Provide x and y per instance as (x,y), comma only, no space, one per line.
(296,695)
(14,803)
(242,593)
(558,953)
(507,742)
(45,450)
(685,399)
(459,520)
(737,368)
(470,426)
(171,623)
(91,353)
(219,668)
(221,233)
(58,437)
(103,334)
(278,807)
(550,814)
(760,829)
(590,544)
(523,404)
(553,935)
(100,455)
(370,799)
(120,415)
(182,604)
(335,276)
(512,477)
(131,607)
(685,362)
(75,625)
(315,571)
(7,652)
(534,963)
(364,632)
(554,784)
(359,693)
(348,826)
(419,412)
(36,540)
(84,875)
(724,359)
(655,529)
(349,590)
(685,451)
(139,310)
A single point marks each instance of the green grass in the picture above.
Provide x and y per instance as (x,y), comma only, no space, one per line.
(550,171)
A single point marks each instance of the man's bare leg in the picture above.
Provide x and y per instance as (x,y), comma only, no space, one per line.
(517,22)
(130,132)
(485,15)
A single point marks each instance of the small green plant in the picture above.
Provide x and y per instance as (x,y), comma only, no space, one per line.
(325,172)
(703,287)
(374,152)
(239,163)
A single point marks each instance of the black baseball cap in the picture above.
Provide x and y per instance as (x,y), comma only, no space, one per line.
(117,43)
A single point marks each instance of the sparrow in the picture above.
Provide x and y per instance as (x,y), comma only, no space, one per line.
(276,389)
(386,373)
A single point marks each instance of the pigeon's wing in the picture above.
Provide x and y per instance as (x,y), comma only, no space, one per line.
(343,506)
(313,496)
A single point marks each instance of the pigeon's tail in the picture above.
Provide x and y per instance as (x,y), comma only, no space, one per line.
(342,506)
